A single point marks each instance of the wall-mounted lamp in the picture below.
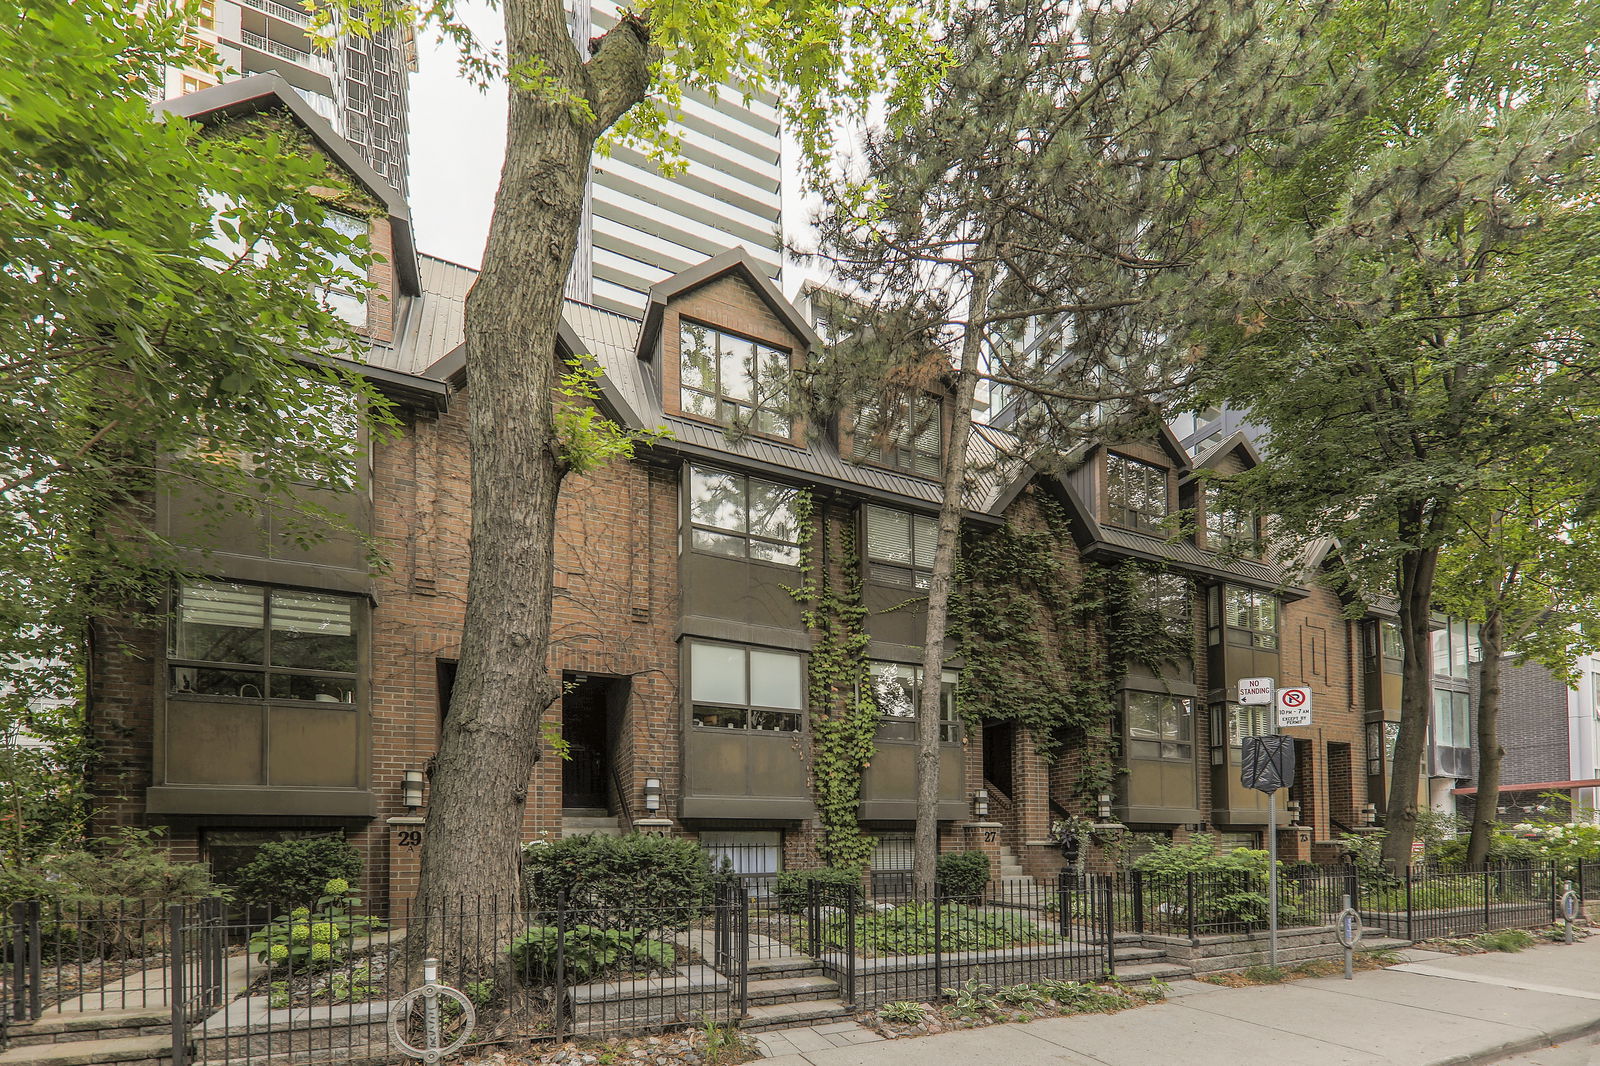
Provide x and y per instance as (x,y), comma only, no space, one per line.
(1105,807)
(1294,812)
(652,794)
(411,790)
(980,803)
(1369,814)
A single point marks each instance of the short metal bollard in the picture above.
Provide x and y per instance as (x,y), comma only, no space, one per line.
(1569,909)
(1349,929)
(402,1018)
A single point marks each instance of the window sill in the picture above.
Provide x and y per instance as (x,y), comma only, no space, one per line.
(261,799)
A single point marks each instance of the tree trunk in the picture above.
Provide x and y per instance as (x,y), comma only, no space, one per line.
(1485,814)
(1417,568)
(489,741)
(925,846)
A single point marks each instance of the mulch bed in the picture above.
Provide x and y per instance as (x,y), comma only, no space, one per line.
(685,1048)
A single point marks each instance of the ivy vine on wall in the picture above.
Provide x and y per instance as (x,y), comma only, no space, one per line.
(844,715)
(1046,645)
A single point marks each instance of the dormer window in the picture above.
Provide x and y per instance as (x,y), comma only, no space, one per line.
(733,380)
(1229,528)
(907,435)
(1136,493)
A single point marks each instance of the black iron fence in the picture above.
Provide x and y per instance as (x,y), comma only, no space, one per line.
(329,982)
(1428,903)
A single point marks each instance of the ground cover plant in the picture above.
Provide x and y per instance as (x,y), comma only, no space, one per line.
(909,929)
(976,1003)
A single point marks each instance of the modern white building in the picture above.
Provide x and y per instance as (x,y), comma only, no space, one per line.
(641,227)
(359,85)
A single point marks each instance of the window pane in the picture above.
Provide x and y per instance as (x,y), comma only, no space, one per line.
(1441,718)
(926,465)
(775,679)
(720,543)
(894,688)
(773,422)
(738,368)
(773,375)
(320,689)
(698,351)
(926,433)
(313,632)
(717,673)
(1238,608)
(775,721)
(206,681)
(716,499)
(222,623)
(699,403)
(772,513)
(1463,720)
(1392,645)
(720,717)
(1441,651)
(1176,719)
(926,537)
(1458,649)
(1144,716)
(770,552)
(1266,613)
(888,535)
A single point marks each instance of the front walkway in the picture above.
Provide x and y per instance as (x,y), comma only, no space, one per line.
(1432,1011)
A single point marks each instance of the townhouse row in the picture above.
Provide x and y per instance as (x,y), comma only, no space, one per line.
(300,689)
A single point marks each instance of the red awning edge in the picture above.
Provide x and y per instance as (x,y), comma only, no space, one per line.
(1537,786)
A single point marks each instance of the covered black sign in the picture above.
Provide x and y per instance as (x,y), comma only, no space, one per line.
(1268,763)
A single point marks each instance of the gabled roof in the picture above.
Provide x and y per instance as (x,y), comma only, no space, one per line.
(266,92)
(1164,437)
(734,260)
(1239,442)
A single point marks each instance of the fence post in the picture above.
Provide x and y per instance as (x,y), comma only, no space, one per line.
(175,989)
(813,919)
(744,952)
(560,990)
(19,960)
(1108,899)
(850,949)
(1064,905)
(1486,922)
(1410,909)
(35,961)
(1188,906)
(1138,901)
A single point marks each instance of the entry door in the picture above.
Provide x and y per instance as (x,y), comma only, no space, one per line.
(585,776)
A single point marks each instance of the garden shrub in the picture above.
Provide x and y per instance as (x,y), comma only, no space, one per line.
(962,875)
(1503,849)
(909,930)
(835,887)
(130,868)
(1231,886)
(589,952)
(314,938)
(633,881)
(295,871)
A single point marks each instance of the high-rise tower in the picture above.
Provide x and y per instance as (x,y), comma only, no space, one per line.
(640,227)
(359,85)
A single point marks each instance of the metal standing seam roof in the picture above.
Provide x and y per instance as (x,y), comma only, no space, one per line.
(432,324)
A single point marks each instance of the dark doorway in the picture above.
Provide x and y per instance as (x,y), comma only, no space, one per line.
(1342,816)
(1304,791)
(998,745)
(585,726)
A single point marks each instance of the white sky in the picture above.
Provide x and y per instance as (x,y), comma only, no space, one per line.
(458,142)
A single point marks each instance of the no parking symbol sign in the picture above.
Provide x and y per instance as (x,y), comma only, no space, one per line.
(1294,706)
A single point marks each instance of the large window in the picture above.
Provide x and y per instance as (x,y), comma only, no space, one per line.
(1136,492)
(254,642)
(908,435)
(1452,719)
(898,691)
(1454,647)
(1389,641)
(1253,611)
(733,380)
(345,296)
(1160,726)
(900,546)
(743,517)
(735,687)
(1229,528)
(1231,723)
(1170,597)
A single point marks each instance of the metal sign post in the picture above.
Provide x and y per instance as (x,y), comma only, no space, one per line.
(1268,765)
(403,1021)
(1569,909)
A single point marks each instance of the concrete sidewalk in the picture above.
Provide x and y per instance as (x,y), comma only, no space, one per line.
(1436,1010)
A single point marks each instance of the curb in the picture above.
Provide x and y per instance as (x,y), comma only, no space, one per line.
(1518,1047)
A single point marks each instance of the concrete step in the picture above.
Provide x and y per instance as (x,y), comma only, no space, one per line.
(1129,954)
(90,1025)
(1140,972)
(792,989)
(128,1050)
(789,1015)
(599,824)
(784,966)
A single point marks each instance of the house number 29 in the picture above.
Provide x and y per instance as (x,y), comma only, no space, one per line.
(410,838)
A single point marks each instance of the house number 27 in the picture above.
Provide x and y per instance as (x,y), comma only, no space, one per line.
(988,836)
